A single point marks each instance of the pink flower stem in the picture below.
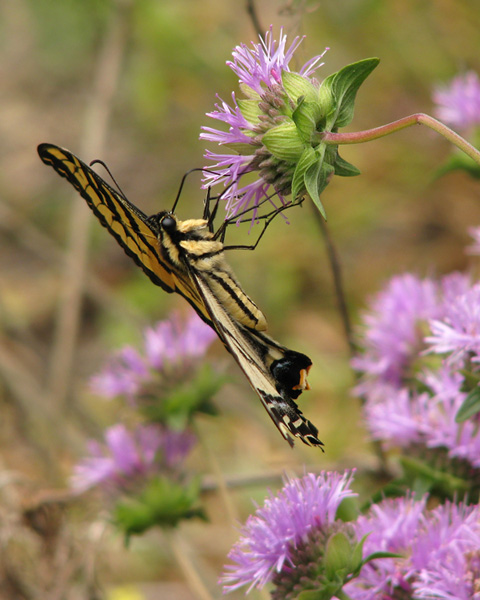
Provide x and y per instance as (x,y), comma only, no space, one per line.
(358,137)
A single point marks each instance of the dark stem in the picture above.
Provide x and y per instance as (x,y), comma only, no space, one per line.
(252,13)
(337,279)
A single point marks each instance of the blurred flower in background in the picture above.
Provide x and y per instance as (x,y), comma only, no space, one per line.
(458,103)
(141,467)
(171,346)
(129,457)
(420,368)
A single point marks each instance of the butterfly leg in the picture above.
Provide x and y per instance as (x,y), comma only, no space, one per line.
(268,218)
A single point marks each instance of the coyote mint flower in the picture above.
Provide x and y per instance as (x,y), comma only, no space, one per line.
(274,130)
(287,539)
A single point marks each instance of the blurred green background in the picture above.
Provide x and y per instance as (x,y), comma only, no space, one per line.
(130,82)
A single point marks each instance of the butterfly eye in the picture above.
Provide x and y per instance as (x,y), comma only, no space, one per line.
(168,223)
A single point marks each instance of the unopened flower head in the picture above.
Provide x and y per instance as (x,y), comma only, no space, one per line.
(270,128)
(458,104)
(271,538)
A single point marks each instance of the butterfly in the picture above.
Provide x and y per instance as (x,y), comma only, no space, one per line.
(186,257)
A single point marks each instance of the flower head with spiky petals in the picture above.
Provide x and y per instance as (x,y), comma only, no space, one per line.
(458,332)
(393,332)
(390,526)
(270,538)
(252,122)
(438,551)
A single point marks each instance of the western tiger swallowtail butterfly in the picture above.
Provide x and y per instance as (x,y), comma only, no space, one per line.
(188,258)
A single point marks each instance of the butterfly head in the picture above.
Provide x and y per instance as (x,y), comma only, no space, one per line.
(164,221)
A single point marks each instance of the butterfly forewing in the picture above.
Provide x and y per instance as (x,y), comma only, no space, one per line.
(124,220)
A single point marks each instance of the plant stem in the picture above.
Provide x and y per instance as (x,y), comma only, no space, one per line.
(358,137)
(182,553)
(252,13)
(337,278)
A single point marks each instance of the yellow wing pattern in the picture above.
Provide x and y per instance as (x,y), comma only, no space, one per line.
(128,225)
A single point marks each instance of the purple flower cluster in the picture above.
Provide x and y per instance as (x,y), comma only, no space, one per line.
(129,457)
(458,104)
(420,337)
(433,553)
(171,344)
(440,551)
(269,537)
(259,70)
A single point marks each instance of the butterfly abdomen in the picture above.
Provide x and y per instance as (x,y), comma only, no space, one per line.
(190,246)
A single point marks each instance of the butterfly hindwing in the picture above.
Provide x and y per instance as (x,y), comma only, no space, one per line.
(249,349)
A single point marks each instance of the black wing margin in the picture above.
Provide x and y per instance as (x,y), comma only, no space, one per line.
(124,221)
(249,351)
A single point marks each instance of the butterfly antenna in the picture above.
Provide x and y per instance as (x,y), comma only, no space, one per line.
(97,161)
(182,183)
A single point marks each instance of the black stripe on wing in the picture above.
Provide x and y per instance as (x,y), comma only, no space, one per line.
(124,221)
(250,356)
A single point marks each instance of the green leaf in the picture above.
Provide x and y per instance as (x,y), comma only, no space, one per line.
(357,561)
(162,503)
(337,556)
(249,92)
(250,110)
(424,478)
(376,555)
(284,141)
(459,161)
(308,158)
(470,406)
(296,86)
(344,85)
(305,117)
(344,168)
(317,177)
(311,595)
(177,408)
(348,509)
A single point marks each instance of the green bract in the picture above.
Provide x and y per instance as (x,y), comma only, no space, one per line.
(162,503)
(308,109)
(336,97)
